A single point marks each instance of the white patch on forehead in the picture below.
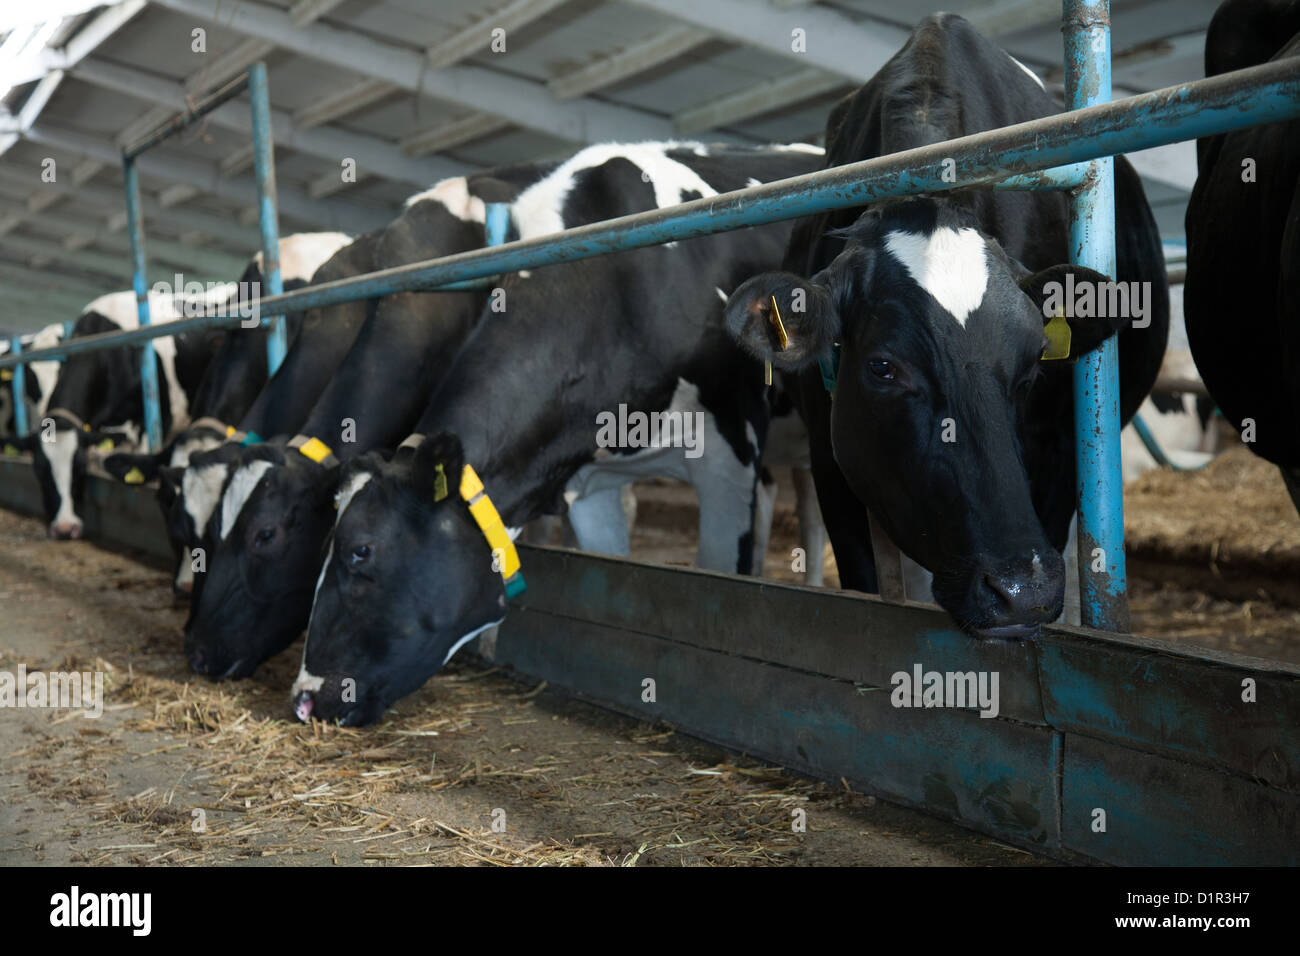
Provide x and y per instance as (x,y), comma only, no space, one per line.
(238,491)
(948,263)
(61,453)
(304,252)
(343,497)
(201,489)
(305,681)
(183,451)
(1032,75)
(455,195)
(537,211)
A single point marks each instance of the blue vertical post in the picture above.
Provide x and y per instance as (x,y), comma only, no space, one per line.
(20,390)
(264,168)
(496,222)
(148,366)
(1103,593)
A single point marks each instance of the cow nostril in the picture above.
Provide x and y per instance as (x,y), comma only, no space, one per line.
(303,706)
(1008,588)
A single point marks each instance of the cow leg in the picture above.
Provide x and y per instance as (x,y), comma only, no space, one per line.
(843,514)
(812,533)
(599,522)
(917,582)
(764,505)
(1072,612)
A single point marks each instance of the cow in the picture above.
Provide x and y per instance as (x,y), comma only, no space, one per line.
(1243,248)
(235,389)
(942,423)
(520,426)
(101,391)
(269,503)
(38,382)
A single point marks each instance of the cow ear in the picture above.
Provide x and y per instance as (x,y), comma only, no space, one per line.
(780,318)
(132,469)
(1048,290)
(437,467)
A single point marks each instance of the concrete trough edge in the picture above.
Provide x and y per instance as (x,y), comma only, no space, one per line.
(1121,696)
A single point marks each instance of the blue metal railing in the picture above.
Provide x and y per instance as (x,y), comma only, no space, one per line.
(1069,151)
(264,168)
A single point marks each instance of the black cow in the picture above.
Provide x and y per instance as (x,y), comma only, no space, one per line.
(410,576)
(944,422)
(1242,303)
(264,540)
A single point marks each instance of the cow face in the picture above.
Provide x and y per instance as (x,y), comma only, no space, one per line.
(408,580)
(184,528)
(940,337)
(263,544)
(60,452)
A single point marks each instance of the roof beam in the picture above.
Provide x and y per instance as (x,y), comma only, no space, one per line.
(464,43)
(758,99)
(308,11)
(329,214)
(629,61)
(452,134)
(1008,16)
(336,105)
(833,42)
(104,198)
(374,154)
(238,161)
(227,65)
(116,268)
(521,101)
(158,249)
(16,273)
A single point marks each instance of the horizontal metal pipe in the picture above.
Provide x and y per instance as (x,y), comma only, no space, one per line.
(181,120)
(1260,94)
(1058,177)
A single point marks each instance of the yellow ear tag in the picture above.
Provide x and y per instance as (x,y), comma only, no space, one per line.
(85,428)
(440,484)
(6,375)
(105,445)
(11,449)
(134,477)
(1057,331)
(780,326)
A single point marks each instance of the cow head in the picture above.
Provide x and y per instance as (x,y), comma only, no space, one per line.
(169,466)
(262,546)
(408,579)
(61,447)
(940,335)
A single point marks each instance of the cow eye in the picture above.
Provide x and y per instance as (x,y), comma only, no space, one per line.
(882,369)
(360,555)
(264,536)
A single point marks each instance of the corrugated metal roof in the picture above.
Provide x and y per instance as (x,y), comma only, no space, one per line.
(630,67)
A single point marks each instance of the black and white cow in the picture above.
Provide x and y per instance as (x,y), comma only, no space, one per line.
(410,576)
(100,391)
(268,505)
(1243,248)
(38,382)
(944,422)
(235,389)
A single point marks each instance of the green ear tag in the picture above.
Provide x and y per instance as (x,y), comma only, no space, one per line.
(133,477)
(105,445)
(1058,338)
(440,484)
(11,449)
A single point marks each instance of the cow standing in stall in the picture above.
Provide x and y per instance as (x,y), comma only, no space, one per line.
(1243,248)
(944,421)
